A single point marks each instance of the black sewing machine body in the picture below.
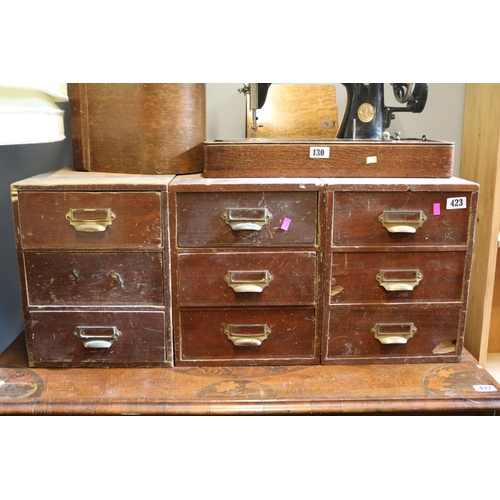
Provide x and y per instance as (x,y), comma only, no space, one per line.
(366,116)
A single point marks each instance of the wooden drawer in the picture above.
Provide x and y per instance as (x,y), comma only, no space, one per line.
(352,333)
(397,277)
(247,337)
(137,338)
(247,219)
(66,279)
(247,278)
(401,218)
(90,220)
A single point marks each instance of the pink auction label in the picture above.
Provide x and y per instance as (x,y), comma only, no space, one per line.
(286,223)
(437,209)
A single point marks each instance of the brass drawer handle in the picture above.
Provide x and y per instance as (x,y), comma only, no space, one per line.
(247,335)
(397,280)
(248,281)
(402,221)
(394,333)
(246,219)
(97,337)
(90,220)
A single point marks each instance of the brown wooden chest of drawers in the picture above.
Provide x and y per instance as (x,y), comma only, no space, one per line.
(397,259)
(124,270)
(245,270)
(94,268)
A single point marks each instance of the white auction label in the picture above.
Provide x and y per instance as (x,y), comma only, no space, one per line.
(485,388)
(319,152)
(456,203)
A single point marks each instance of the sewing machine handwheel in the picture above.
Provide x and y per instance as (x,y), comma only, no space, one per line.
(403,91)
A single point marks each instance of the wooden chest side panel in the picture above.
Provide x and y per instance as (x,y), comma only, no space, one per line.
(44,224)
(218,279)
(291,338)
(200,221)
(65,279)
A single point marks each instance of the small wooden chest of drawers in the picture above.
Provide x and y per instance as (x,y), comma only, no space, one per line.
(245,261)
(94,267)
(397,261)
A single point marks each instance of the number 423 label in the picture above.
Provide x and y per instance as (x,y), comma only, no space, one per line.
(456,203)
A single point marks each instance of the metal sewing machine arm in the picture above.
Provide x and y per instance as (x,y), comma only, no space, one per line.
(257,93)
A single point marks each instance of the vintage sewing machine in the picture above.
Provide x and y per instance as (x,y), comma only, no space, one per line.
(361,146)
(366,117)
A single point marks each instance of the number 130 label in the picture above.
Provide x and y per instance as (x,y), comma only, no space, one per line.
(319,152)
(456,203)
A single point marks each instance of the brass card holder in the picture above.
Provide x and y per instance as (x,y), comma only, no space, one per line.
(402,221)
(394,333)
(247,335)
(97,337)
(90,220)
(399,280)
(248,281)
(246,219)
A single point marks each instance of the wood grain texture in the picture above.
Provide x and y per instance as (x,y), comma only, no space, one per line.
(297,111)
(44,224)
(416,389)
(261,158)
(52,339)
(480,159)
(138,128)
(200,222)
(56,279)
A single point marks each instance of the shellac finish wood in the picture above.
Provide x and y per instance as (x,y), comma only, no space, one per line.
(419,389)
(138,128)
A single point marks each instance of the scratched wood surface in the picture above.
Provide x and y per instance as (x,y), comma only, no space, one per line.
(272,158)
(419,389)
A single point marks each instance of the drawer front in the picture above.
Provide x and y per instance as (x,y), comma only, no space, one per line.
(247,336)
(60,279)
(247,278)
(88,338)
(372,333)
(89,220)
(248,219)
(395,218)
(397,277)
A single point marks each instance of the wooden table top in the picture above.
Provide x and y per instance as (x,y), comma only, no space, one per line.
(445,388)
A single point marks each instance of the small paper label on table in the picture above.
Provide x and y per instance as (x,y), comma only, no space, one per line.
(286,224)
(485,388)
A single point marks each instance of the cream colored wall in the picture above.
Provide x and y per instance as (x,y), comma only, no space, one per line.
(440,120)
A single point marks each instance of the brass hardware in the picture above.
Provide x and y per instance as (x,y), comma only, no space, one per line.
(397,280)
(366,112)
(97,337)
(394,333)
(248,281)
(73,275)
(14,194)
(246,219)
(117,279)
(402,221)
(90,220)
(247,335)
